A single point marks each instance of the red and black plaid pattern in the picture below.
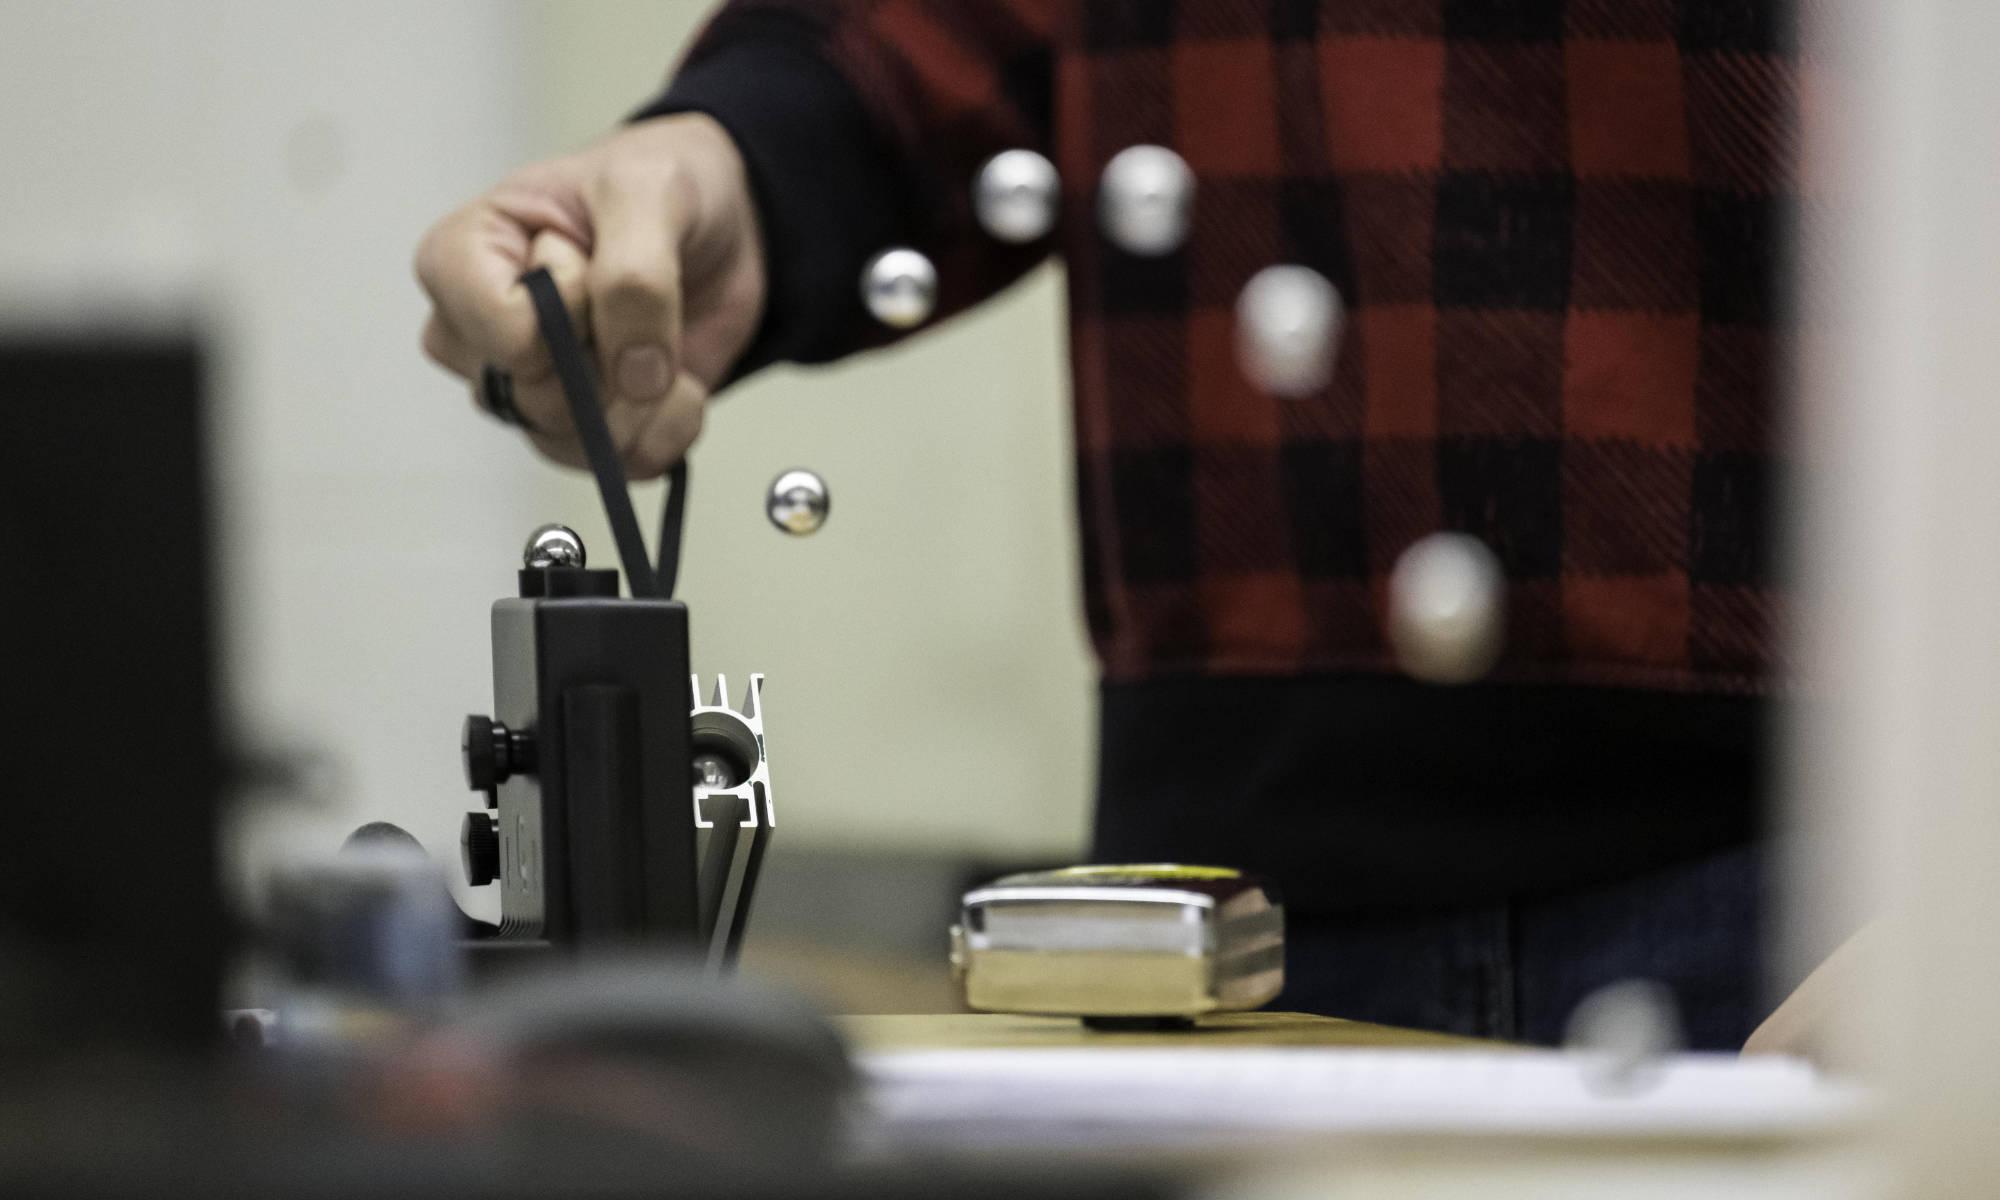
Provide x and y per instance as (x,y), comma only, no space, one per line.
(1557,227)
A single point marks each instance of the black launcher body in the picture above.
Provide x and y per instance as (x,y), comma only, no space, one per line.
(599,756)
(586,766)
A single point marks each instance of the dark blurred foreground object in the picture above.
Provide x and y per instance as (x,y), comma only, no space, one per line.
(650,1060)
(374,926)
(607,1078)
(111,931)
(628,1077)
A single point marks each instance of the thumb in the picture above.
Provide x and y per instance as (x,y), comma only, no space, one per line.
(634,281)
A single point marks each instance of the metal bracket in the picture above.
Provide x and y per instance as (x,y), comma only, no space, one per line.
(733,779)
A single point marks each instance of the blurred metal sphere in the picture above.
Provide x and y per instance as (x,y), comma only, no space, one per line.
(375,922)
(553,546)
(1447,608)
(714,771)
(798,502)
(900,287)
(1146,200)
(1623,1030)
(1288,323)
(1016,196)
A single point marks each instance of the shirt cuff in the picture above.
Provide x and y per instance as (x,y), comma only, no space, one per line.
(822,182)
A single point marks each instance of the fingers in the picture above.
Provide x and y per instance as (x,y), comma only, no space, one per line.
(555,436)
(560,448)
(669,428)
(568,265)
(536,396)
(450,351)
(650,440)
(470,265)
(635,279)
(609,228)
(649,436)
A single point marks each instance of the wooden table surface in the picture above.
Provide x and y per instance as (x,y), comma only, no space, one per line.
(995,1031)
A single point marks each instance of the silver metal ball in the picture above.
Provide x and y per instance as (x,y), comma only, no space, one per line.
(1623,1031)
(1016,196)
(714,772)
(553,546)
(899,286)
(1146,200)
(373,921)
(1288,324)
(798,502)
(1447,608)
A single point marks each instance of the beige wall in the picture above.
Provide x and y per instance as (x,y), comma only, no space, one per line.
(264,171)
(260,172)
(929,685)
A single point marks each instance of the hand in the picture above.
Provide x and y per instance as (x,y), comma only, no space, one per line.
(1807,1024)
(652,238)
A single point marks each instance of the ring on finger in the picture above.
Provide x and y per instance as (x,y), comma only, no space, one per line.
(495,393)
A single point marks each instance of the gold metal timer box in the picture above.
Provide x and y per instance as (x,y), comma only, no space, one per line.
(1118,946)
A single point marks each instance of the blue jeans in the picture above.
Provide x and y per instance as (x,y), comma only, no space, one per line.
(1516,969)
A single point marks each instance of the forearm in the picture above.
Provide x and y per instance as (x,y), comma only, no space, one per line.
(824,186)
(840,119)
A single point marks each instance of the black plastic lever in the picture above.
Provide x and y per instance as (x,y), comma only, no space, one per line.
(579,385)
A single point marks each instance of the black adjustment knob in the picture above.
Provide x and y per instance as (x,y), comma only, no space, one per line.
(479,848)
(483,746)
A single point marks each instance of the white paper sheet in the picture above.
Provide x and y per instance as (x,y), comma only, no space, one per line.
(1114,1096)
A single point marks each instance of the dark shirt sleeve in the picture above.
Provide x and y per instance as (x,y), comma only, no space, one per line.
(863,124)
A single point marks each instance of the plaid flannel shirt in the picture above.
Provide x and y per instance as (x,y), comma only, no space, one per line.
(1556,226)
